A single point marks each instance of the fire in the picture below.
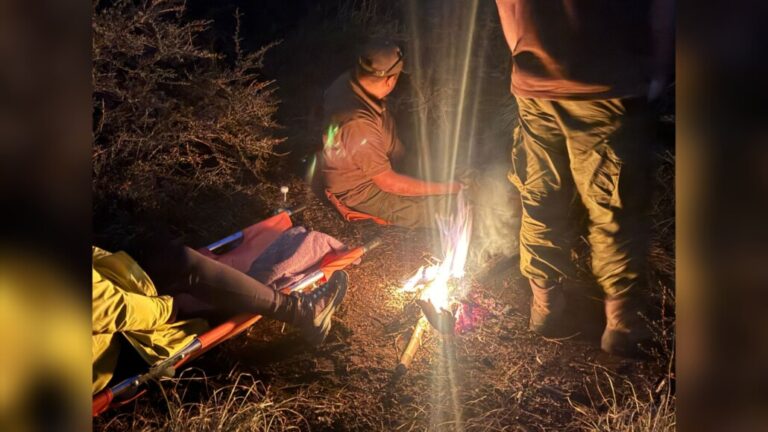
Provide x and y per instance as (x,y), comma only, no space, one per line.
(434,281)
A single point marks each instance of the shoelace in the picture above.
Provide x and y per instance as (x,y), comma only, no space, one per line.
(315,295)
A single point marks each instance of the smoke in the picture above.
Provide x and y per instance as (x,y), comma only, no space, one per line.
(496,205)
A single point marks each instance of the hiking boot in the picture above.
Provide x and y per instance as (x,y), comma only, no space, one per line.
(626,333)
(315,308)
(547,308)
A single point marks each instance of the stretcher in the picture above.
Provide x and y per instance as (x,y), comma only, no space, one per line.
(238,251)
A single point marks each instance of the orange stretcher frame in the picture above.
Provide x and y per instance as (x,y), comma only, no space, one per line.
(253,241)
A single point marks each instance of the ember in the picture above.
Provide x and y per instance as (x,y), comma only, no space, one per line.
(469,316)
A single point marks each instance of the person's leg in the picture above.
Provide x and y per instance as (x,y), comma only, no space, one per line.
(175,268)
(610,150)
(409,212)
(231,292)
(540,171)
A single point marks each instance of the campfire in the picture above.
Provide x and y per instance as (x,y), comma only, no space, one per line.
(439,284)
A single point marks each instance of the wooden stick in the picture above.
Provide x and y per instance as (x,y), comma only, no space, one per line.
(413,345)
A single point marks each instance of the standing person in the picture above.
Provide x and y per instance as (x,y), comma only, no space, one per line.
(360,144)
(584,74)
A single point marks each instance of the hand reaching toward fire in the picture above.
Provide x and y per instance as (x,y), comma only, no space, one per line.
(442,320)
(455,187)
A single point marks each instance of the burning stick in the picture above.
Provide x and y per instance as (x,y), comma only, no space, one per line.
(413,345)
(432,282)
(443,321)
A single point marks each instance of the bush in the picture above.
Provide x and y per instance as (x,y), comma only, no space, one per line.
(172,118)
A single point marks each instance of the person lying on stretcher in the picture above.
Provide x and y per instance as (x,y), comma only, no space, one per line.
(156,298)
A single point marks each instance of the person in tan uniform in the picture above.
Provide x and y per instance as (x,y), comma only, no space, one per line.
(360,144)
(584,75)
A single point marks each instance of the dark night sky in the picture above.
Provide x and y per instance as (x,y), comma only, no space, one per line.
(263,20)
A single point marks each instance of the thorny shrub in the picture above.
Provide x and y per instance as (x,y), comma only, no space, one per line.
(173,118)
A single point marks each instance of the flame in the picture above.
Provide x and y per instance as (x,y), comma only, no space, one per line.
(455,234)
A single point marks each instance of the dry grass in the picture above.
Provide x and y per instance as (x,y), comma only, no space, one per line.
(508,379)
(662,248)
(194,402)
(650,411)
(504,377)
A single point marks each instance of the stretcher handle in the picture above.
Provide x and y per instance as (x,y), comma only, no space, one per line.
(101,401)
(291,211)
(373,244)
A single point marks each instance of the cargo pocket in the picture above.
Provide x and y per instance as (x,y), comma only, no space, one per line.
(604,186)
(516,173)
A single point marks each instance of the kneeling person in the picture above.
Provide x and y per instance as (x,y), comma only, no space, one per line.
(360,143)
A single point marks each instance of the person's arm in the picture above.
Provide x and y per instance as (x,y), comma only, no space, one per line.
(367,151)
(398,184)
(507,16)
(663,29)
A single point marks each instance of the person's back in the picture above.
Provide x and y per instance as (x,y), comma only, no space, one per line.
(579,50)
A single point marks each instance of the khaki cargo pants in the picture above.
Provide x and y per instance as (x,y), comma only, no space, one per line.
(596,152)
(407,211)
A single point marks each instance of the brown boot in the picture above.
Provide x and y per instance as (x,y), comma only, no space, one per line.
(626,332)
(547,308)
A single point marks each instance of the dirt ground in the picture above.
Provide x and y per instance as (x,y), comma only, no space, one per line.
(497,377)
